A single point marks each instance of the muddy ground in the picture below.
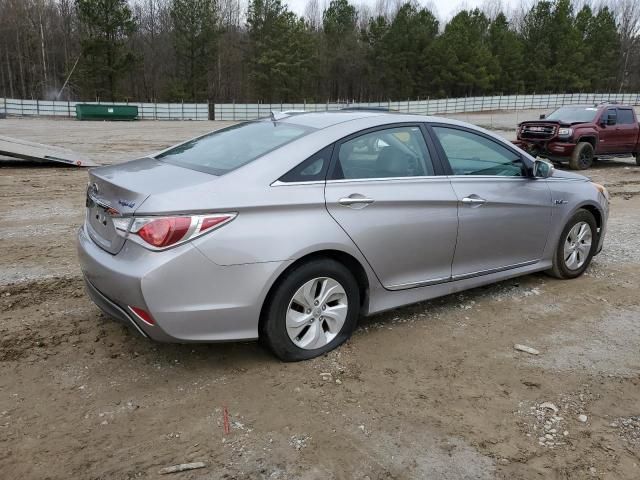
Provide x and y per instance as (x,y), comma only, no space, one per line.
(433,391)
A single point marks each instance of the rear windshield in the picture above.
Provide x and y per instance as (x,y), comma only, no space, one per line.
(229,148)
(573,114)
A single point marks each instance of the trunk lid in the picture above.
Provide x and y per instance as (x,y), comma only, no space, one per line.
(121,189)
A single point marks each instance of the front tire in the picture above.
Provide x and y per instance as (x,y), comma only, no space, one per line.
(582,156)
(312,310)
(576,247)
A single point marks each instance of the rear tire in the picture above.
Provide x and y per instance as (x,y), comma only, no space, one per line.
(301,321)
(582,156)
(573,255)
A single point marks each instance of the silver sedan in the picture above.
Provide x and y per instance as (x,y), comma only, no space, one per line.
(289,229)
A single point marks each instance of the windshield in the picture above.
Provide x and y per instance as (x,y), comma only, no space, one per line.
(229,148)
(573,114)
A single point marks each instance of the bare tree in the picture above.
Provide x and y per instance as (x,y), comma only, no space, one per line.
(313,15)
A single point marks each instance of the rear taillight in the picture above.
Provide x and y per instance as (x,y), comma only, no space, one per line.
(158,233)
(165,231)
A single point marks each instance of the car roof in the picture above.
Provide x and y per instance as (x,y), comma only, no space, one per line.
(356,120)
(322,120)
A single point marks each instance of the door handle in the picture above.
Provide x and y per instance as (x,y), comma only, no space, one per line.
(355,200)
(474,200)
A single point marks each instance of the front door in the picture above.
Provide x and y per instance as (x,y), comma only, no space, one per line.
(384,192)
(504,215)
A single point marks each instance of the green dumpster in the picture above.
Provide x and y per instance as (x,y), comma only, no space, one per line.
(90,111)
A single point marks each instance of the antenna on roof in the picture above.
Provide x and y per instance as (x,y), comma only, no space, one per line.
(275,116)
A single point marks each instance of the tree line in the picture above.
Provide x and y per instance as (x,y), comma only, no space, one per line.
(222,50)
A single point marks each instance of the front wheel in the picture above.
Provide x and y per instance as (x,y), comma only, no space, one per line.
(312,310)
(576,246)
(582,156)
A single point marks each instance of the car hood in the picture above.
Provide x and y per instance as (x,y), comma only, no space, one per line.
(565,175)
(552,122)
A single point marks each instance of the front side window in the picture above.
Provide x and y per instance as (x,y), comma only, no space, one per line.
(472,154)
(230,148)
(625,116)
(389,153)
(609,117)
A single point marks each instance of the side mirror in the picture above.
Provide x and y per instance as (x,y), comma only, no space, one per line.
(542,116)
(542,169)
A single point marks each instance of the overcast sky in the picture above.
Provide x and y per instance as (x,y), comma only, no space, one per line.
(445,8)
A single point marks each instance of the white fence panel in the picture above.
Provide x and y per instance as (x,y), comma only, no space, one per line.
(252,111)
(146,111)
(239,112)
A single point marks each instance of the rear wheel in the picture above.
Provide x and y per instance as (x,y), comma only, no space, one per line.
(582,156)
(576,246)
(312,310)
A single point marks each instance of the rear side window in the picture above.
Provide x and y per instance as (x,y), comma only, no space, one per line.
(230,148)
(472,154)
(389,153)
(625,116)
(313,169)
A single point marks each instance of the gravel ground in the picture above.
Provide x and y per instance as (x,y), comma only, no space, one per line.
(434,390)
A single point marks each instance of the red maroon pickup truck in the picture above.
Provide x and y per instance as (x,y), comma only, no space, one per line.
(580,134)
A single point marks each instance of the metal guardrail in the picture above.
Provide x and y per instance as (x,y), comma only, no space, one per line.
(251,111)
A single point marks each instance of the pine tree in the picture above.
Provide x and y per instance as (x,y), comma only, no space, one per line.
(506,48)
(194,37)
(404,54)
(468,67)
(105,26)
(280,51)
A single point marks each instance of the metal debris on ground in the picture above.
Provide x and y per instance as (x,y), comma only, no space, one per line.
(526,349)
(183,467)
(226,427)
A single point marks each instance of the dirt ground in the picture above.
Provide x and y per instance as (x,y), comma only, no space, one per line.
(430,391)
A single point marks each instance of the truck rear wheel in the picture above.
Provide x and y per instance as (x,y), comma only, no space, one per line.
(582,156)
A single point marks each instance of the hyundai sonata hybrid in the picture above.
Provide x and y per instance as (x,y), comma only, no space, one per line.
(288,229)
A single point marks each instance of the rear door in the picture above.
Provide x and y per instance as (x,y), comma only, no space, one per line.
(385,191)
(504,215)
(627,129)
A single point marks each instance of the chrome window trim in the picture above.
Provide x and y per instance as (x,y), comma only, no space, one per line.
(280,183)
(386,179)
(482,177)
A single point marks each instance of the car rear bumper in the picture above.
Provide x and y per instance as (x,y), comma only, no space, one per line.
(111,308)
(191,298)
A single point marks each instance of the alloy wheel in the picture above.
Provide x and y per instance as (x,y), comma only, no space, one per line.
(316,313)
(577,245)
(585,158)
